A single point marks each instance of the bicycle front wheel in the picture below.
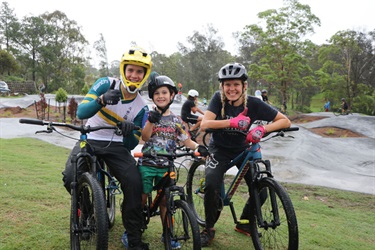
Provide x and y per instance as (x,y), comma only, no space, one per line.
(274,226)
(90,231)
(195,190)
(181,229)
(337,112)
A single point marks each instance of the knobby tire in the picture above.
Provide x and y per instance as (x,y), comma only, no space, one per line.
(283,236)
(180,225)
(92,216)
(195,199)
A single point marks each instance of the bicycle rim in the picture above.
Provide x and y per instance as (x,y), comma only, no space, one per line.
(181,226)
(283,235)
(194,190)
(92,224)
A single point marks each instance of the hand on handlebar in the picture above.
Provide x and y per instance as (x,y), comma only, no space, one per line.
(126,128)
(255,134)
(203,150)
(241,121)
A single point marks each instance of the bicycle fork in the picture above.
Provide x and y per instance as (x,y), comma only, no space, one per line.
(261,195)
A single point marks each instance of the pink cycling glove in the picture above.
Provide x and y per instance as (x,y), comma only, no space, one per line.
(255,134)
(241,121)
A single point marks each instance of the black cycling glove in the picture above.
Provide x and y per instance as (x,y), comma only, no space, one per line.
(154,116)
(111,97)
(203,151)
(126,127)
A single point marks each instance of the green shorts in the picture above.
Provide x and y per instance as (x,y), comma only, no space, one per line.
(150,177)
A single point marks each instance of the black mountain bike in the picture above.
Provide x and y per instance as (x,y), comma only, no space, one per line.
(273,221)
(92,191)
(180,224)
(339,111)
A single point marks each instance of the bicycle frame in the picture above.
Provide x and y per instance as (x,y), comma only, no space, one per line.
(248,160)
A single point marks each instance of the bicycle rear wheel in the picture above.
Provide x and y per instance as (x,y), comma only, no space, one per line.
(195,190)
(278,227)
(91,229)
(181,226)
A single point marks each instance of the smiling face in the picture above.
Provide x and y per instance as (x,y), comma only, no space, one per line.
(162,96)
(233,89)
(134,74)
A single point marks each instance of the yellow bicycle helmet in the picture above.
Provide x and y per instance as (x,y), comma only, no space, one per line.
(135,56)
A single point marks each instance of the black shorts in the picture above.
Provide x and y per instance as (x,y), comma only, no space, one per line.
(193,119)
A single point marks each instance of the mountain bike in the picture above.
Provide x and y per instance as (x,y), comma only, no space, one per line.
(196,135)
(180,224)
(338,112)
(273,220)
(92,191)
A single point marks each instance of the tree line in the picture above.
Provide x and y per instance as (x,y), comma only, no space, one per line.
(50,49)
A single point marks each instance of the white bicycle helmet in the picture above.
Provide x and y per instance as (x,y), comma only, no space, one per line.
(233,71)
(193,93)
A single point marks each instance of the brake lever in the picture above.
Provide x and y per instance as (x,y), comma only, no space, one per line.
(48,131)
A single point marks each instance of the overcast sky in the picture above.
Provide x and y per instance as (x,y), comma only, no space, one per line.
(158,25)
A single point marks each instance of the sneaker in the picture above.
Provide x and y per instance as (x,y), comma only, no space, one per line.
(124,240)
(207,237)
(174,244)
(243,228)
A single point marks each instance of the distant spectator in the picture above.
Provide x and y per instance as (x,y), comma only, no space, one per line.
(42,87)
(327,106)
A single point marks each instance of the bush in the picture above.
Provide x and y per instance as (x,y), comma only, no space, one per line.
(61,95)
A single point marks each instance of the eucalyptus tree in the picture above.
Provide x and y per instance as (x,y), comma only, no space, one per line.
(7,62)
(348,68)
(203,60)
(101,52)
(279,48)
(8,25)
(64,54)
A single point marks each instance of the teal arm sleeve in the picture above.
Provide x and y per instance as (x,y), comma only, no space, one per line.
(89,107)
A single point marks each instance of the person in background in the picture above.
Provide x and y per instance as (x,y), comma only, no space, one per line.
(180,88)
(344,106)
(231,108)
(190,106)
(327,106)
(204,101)
(264,96)
(112,101)
(161,133)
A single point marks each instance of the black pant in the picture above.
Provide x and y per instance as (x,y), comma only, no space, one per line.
(215,170)
(123,166)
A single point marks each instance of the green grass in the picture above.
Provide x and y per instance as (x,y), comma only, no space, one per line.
(34,208)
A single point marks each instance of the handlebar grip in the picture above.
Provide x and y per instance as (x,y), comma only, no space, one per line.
(291,129)
(32,121)
(138,154)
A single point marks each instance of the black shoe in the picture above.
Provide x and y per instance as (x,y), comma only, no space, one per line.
(243,228)
(140,246)
(207,237)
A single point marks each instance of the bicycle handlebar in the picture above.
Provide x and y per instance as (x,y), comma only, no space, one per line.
(210,130)
(168,155)
(81,128)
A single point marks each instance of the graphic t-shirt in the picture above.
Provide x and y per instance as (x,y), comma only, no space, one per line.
(164,139)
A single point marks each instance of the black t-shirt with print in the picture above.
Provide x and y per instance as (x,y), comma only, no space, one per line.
(257,110)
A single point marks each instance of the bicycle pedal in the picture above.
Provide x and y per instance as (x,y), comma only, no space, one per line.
(243,221)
